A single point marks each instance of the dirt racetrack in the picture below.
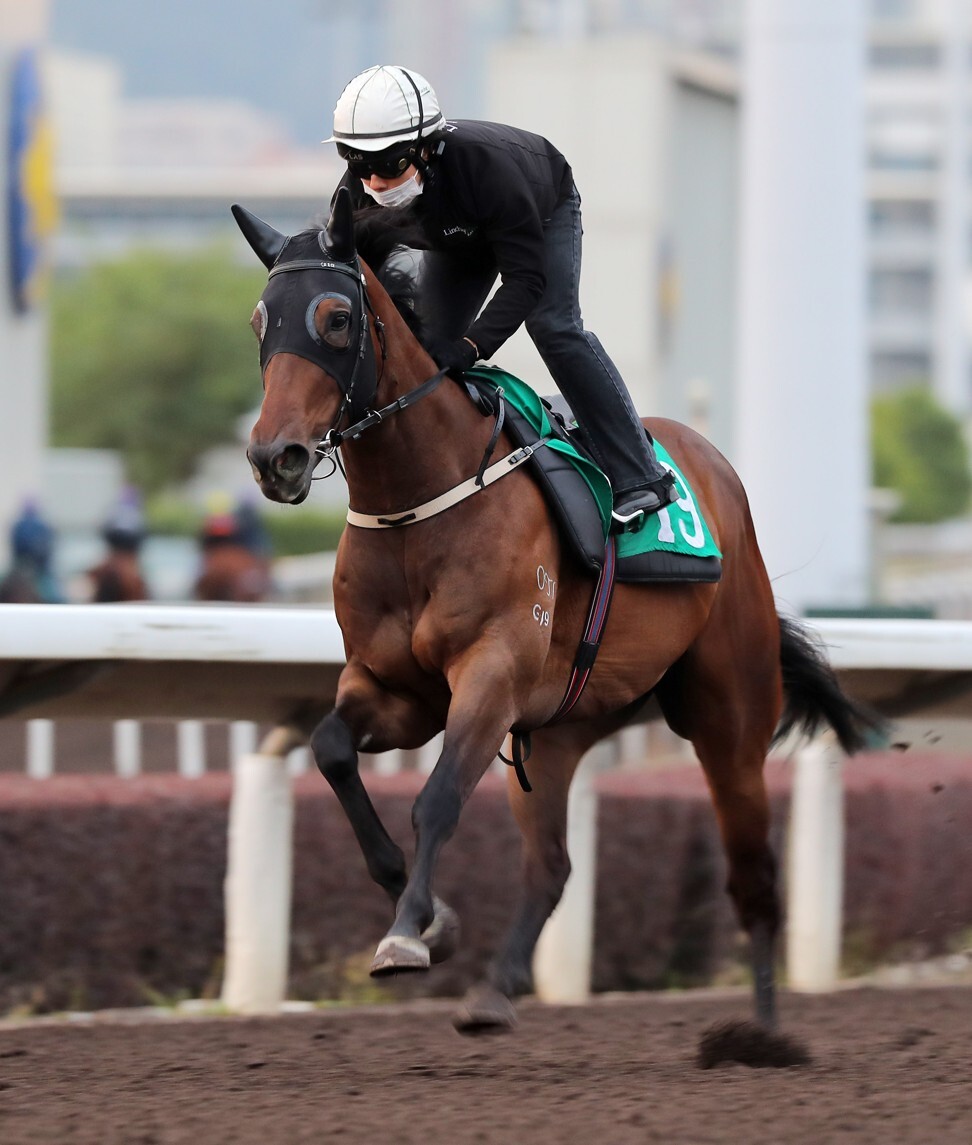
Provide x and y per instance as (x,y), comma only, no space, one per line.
(889,1066)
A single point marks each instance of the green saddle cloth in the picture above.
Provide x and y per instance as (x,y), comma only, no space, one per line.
(678,528)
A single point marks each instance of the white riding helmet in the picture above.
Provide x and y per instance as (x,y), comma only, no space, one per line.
(383,106)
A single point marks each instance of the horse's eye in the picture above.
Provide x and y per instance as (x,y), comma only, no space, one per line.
(259,320)
(333,323)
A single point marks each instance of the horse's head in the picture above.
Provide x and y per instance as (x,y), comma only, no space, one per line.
(316,351)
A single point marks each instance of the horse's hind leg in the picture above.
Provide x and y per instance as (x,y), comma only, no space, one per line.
(542,818)
(724,696)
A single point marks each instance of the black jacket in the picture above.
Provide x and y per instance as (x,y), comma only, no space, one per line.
(488,191)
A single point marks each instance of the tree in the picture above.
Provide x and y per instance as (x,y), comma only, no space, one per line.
(919,451)
(151,356)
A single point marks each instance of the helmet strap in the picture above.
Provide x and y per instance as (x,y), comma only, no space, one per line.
(424,163)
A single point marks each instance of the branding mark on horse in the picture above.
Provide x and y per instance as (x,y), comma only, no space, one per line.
(547,586)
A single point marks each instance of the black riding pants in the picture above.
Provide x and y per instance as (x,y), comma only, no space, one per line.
(452,294)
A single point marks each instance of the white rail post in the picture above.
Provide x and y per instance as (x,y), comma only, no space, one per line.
(258,877)
(242,738)
(127,746)
(40,749)
(298,761)
(191,748)
(562,960)
(816,868)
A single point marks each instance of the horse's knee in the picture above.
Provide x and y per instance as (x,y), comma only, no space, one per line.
(333,748)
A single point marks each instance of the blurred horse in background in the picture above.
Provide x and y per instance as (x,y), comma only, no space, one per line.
(118,577)
(233,568)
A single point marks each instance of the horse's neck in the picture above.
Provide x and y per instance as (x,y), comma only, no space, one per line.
(416,453)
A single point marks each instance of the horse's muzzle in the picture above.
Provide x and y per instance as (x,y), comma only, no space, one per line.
(282,471)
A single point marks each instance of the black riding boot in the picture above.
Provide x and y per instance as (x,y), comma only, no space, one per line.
(633,508)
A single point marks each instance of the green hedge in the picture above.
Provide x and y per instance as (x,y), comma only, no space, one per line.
(304,531)
(292,533)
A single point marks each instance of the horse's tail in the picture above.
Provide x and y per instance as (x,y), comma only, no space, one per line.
(813,697)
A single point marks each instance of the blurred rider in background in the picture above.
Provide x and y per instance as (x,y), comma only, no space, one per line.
(31,579)
(235,561)
(118,576)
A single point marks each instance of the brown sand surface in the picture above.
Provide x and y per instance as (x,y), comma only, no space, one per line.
(888,1065)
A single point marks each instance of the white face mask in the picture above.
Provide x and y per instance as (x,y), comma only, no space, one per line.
(396,196)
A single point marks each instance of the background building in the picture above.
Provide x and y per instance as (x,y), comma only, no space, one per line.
(651,134)
(919,189)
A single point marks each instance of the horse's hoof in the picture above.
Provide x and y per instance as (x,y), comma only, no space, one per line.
(751,1044)
(442,934)
(396,954)
(484,1010)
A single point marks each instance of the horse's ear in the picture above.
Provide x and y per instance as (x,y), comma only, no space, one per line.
(339,232)
(266,242)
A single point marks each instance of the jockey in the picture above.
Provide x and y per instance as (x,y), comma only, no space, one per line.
(31,579)
(124,530)
(495,200)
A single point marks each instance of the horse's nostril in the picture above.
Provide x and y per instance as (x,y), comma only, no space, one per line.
(291,461)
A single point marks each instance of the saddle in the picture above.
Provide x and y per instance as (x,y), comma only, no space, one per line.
(570,495)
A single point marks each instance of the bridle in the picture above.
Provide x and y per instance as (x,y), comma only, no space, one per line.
(334,437)
(302,339)
(356,399)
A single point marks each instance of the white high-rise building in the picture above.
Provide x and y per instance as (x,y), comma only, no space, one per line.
(919,190)
(918,165)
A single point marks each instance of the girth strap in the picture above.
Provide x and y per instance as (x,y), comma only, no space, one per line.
(584,659)
(590,644)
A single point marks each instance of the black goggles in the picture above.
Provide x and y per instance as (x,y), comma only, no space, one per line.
(388,164)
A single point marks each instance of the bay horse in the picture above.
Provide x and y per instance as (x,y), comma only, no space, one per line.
(116,578)
(230,569)
(439,625)
(232,573)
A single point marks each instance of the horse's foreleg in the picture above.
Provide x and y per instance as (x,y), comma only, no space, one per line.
(366,717)
(476,726)
(542,818)
(334,751)
(337,758)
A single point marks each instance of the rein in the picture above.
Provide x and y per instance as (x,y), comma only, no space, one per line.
(333,438)
(485,475)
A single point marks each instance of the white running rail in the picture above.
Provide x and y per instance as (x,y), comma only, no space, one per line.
(255,661)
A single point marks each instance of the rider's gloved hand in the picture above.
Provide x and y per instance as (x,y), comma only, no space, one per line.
(454,356)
